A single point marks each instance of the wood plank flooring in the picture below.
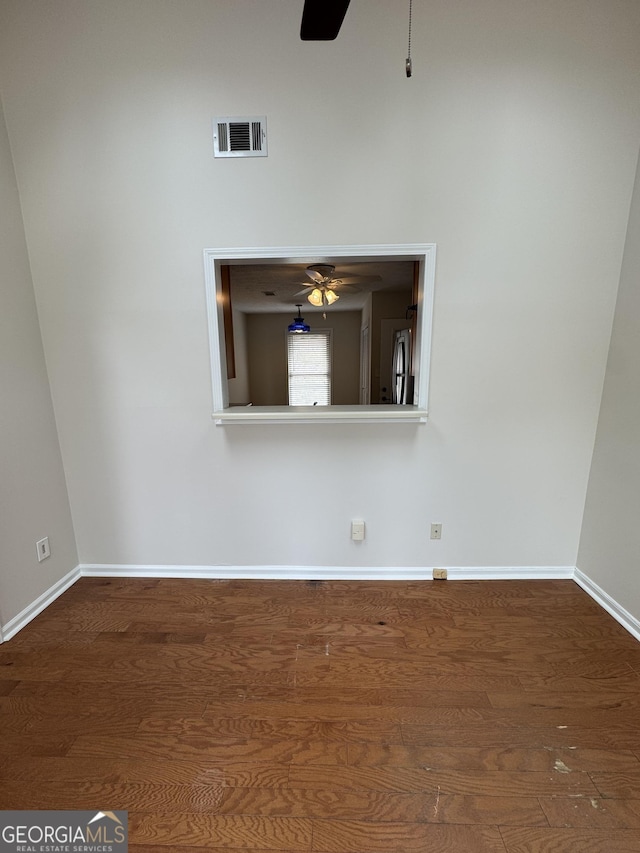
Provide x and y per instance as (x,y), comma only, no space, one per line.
(329,717)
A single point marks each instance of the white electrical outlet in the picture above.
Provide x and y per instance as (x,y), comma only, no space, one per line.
(44,550)
(436,530)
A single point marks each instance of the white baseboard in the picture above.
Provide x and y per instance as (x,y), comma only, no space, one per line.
(411,573)
(508,573)
(609,604)
(368,573)
(48,597)
(257,572)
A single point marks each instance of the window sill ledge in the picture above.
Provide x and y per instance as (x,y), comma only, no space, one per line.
(384,414)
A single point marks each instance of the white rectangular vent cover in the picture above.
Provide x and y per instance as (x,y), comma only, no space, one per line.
(240,136)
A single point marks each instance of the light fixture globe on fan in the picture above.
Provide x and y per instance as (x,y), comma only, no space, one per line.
(322,295)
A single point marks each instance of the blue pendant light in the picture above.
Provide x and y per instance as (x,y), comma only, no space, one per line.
(298,327)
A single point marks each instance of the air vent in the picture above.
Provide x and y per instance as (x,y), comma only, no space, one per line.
(240,136)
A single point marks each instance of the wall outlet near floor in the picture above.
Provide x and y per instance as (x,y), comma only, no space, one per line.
(439,574)
(44,550)
(436,530)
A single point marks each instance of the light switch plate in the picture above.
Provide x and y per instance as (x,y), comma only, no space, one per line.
(357,531)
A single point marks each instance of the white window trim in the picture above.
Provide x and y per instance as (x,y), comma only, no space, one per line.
(214,259)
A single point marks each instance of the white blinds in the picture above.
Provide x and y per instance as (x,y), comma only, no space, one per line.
(309,360)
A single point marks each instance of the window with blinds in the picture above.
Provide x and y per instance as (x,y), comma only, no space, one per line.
(309,363)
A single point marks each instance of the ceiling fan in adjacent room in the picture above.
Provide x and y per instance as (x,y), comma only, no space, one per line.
(326,287)
(322,19)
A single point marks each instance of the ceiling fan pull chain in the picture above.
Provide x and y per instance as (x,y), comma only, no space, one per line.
(408,61)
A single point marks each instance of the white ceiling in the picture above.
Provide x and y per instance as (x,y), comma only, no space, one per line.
(249,283)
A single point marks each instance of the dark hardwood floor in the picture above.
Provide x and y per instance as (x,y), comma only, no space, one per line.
(329,717)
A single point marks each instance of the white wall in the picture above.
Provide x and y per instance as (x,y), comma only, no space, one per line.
(33,494)
(610,544)
(512,147)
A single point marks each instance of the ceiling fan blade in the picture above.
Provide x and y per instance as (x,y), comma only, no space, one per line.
(322,19)
(340,287)
(315,275)
(305,291)
(360,279)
